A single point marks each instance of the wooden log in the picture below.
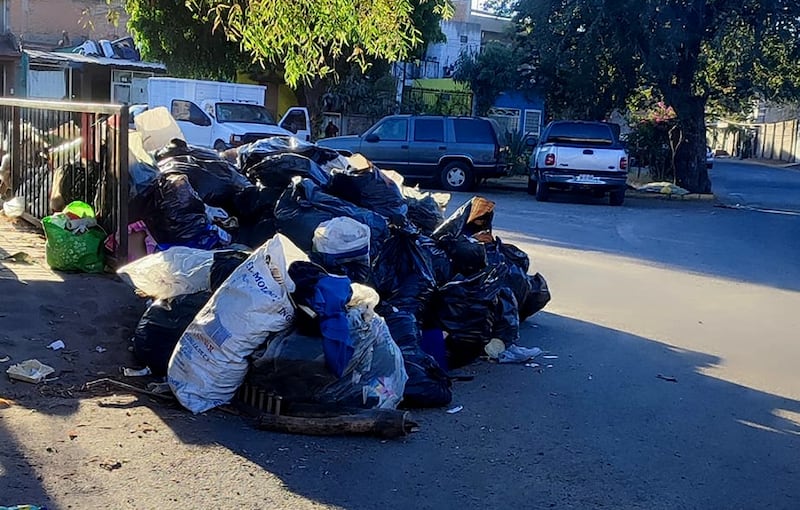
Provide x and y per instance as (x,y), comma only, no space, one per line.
(386,423)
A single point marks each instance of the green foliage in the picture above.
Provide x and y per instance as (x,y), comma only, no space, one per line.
(488,73)
(593,53)
(167,31)
(372,93)
(519,153)
(310,38)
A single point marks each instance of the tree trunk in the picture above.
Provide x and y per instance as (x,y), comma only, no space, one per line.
(690,158)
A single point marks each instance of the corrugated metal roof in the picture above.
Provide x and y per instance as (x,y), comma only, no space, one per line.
(53,57)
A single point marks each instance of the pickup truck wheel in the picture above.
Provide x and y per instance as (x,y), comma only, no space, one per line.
(220,146)
(457,176)
(542,193)
(617,196)
(531,186)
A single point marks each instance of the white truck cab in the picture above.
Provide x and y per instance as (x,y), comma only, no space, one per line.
(223,115)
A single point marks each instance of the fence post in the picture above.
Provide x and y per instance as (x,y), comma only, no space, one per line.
(15,148)
(122,174)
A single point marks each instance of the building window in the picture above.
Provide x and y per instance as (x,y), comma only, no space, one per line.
(507,118)
(533,122)
(464,39)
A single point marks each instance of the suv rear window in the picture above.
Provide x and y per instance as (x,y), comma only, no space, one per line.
(473,131)
(592,134)
(429,130)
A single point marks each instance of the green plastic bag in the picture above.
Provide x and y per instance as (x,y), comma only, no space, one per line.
(74,251)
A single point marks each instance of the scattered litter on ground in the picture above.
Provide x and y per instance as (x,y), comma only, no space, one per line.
(549,356)
(454,410)
(110,464)
(133,372)
(517,354)
(58,344)
(19,258)
(32,371)
(5,358)
(667,378)
(663,188)
(100,349)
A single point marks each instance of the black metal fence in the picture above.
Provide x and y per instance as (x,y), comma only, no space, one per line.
(58,152)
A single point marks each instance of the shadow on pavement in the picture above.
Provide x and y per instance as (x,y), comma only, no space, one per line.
(596,429)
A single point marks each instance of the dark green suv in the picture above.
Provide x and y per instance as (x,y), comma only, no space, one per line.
(455,152)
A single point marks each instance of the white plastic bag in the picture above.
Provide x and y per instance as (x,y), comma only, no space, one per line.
(171,273)
(14,208)
(340,236)
(208,363)
(376,373)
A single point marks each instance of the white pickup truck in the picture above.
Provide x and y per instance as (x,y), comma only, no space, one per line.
(579,155)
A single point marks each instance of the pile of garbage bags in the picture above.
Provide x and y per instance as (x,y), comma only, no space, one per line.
(316,277)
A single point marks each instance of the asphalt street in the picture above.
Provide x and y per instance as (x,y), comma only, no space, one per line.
(675,329)
(669,381)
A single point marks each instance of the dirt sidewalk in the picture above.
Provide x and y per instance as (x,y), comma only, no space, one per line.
(64,448)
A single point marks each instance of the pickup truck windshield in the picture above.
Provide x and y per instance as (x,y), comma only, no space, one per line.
(591,134)
(247,113)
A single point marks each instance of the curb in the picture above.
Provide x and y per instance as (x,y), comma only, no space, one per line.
(512,184)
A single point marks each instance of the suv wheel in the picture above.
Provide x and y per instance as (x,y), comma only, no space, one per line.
(457,176)
(616,196)
(531,186)
(220,146)
(542,193)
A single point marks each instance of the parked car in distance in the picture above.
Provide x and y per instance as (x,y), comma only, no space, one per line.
(579,155)
(455,152)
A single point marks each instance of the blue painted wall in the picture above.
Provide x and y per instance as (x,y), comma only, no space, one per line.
(522,101)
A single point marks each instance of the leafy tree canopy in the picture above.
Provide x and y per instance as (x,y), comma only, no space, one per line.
(488,73)
(309,39)
(724,53)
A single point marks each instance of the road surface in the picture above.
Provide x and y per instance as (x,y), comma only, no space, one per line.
(740,182)
(672,383)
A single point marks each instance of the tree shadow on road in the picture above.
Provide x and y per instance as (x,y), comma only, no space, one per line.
(594,427)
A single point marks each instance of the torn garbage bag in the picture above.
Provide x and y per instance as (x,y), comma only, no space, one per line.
(161,327)
(473,311)
(402,273)
(368,188)
(326,295)
(428,385)
(341,246)
(471,217)
(208,363)
(304,206)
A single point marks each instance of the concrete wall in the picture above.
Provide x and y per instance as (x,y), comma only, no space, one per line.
(447,53)
(42,21)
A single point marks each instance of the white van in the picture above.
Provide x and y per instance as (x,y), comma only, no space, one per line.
(223,115)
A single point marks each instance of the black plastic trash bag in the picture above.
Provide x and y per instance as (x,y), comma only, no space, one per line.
(225,262)
(255,203)
(471,217)
(251,154)
(440,261)
(175,215)
(277,170)
(531,292)
(428,385)
(424,213)
(537,299)
(403,274)
(216,181)
(467,256)
(178,147)
(304,206)
(475,310)
(291,365)
(371,189)
(256,234)
(161,327)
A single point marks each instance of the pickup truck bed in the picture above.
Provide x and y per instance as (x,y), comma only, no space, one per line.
(576,155)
